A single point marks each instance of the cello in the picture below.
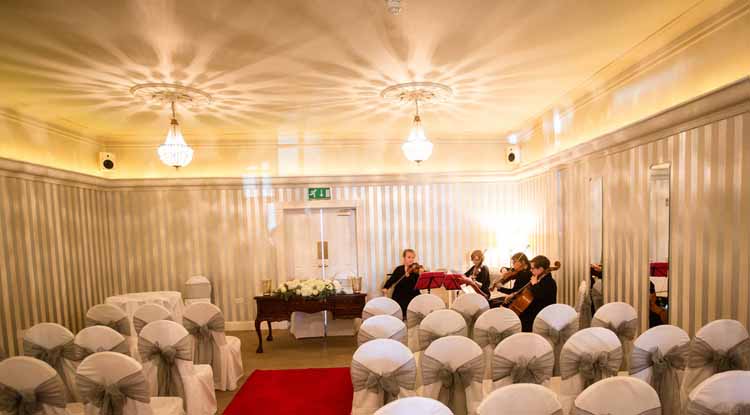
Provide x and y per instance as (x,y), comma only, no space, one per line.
(521,299)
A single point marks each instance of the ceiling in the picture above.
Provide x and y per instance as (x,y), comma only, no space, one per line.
(308,69)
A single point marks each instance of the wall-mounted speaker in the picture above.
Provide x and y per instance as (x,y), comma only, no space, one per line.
(512,155)
(106,161)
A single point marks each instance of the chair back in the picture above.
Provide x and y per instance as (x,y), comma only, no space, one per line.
(620,395)
(723,393)
(148,313)
(382,370)
(622,319)
(522,358)
(53,344)
(492,327)
(452,370)
(420,306)
(382,327)
(583,305)
(197,287)
(110,316)
(440,323)
(556,323)
(414,405)
(95,339)
(25,382)
(113,383)
(521,398)
(470,306)
(382,305)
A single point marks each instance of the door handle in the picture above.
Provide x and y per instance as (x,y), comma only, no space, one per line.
(322,250)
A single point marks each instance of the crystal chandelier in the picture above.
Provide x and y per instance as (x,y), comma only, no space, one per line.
(175,152)
(417,147)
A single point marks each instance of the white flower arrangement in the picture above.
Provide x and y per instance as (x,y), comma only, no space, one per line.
(313,288)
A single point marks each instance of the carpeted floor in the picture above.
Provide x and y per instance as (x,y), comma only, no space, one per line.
(286,352)
(295,391)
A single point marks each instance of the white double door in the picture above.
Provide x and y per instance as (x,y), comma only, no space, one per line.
(320,243)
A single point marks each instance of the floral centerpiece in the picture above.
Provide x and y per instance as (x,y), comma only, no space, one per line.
(315,289)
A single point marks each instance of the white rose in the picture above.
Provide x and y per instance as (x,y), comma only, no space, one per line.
(298,291)
(283,288)
(306,292)
(315,292)
(337,285)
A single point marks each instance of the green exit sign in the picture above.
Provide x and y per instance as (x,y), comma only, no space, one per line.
(318,193)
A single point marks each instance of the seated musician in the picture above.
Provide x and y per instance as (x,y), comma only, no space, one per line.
(656,314)
(520,274)
(403,280)
(478,276)
(544,289)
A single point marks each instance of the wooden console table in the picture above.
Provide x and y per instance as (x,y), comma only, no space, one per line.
(272,308)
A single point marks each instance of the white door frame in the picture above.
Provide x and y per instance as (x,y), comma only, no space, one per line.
(279,234)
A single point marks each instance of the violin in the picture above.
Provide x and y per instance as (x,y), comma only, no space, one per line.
(521,299)
(510,275)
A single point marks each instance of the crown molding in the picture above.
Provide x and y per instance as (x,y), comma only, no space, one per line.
(600,84)
(28,121)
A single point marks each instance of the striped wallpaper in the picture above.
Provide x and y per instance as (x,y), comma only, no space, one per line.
(54,261)
(710,213)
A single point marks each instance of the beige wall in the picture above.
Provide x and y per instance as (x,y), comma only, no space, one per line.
(642,83)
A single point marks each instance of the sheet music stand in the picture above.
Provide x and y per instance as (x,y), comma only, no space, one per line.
(453,281)
(429,280)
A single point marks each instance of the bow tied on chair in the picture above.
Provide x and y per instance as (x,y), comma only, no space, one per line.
(206,349)
(491,336)
(121,326)
(111,398)
(664,376)
(53,357)
(625,331)
(452,380)
(426,337)
(523,369)
(168,379)
(702,354)
(390,383)
(413,318)
(591,367)
(29,402)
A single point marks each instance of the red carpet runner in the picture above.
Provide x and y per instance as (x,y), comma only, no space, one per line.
(296,391)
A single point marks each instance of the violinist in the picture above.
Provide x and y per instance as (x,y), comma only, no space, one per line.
(543,288)
(478,276)
(520,274)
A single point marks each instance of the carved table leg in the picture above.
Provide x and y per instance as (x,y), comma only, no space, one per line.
(260,336)
(270,335)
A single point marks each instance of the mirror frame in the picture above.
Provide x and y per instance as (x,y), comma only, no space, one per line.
(666,165)
(596,181)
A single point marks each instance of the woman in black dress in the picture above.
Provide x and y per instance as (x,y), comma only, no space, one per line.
(403,279)
(544,289)
(520,274)
(478,276)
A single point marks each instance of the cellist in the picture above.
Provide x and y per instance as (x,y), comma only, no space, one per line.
(544,290)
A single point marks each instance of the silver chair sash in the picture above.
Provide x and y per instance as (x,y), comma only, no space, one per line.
(84,352)
(451,381)
(664,376)
(413,318)
(110,399)
(597,298)
(405,376)
(426,337)
(491,336)
(168,379)
(54,357)
(694,408)
(702,354)
(470,318)
(29,402)
(584,314)
(206,351)
(556,337)
(121,326)
(537,370)
(579,411)
(625,331)
(364,337)
(591,367)
(139,324)
(398,314)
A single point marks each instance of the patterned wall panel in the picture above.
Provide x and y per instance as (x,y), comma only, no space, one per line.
(54,261)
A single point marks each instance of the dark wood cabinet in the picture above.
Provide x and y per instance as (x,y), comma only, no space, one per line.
(273,308)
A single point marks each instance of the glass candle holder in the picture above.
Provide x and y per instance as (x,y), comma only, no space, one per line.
(356,284)
(266,284)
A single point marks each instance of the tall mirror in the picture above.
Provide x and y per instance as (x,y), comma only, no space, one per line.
(658,244)
(596,237)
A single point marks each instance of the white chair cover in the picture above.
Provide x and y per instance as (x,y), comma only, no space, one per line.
(470,306)
(522,358)
(382,370)
(99,339)
(588,356)
(102,377)
(659,359)
(414,405)
(725,393)
(440,323)
(719,346)
(197,290)
(148,313)
(53,344)
(620,395)
(583,305)
(206,323)
(382,305)
(163,342)
(556,323)
(114,318)
(26,382)
(418,309)
(622,319)
(452,371)
(521,399)
(492,327)
(382,327)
